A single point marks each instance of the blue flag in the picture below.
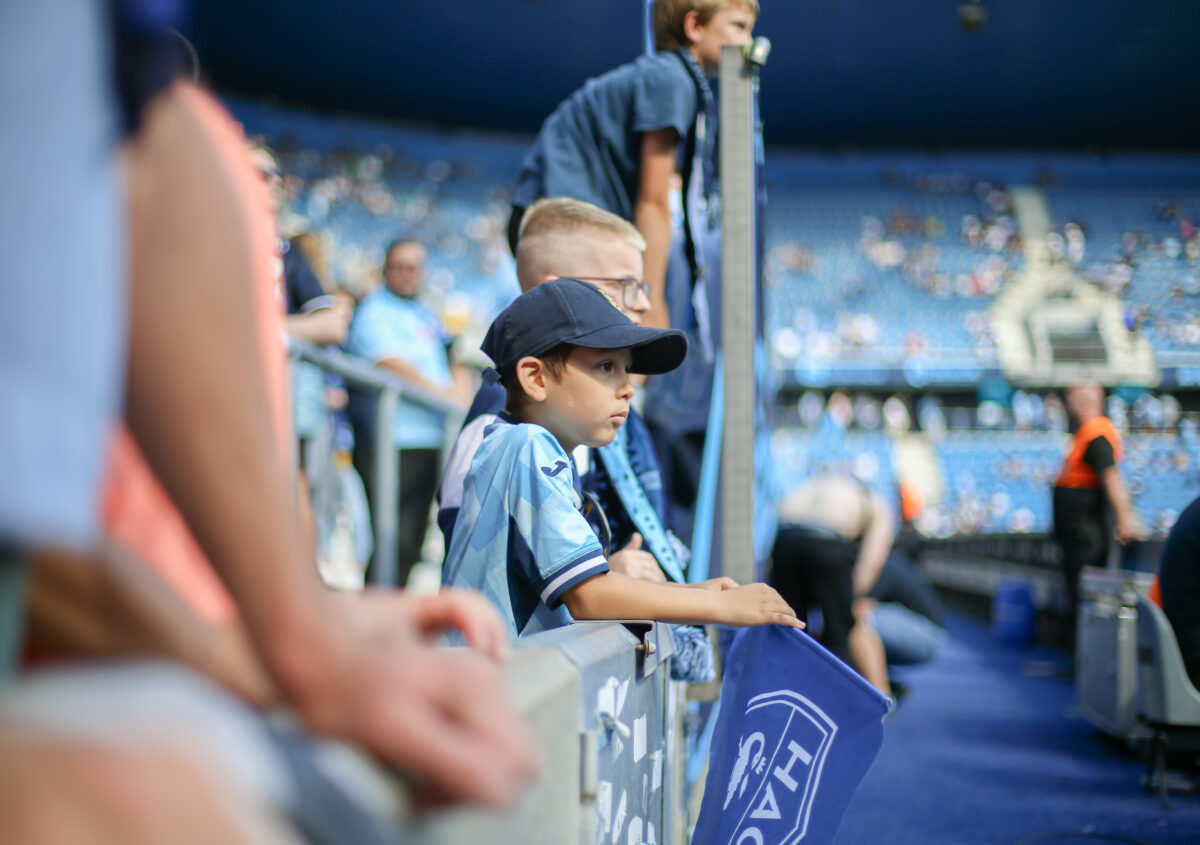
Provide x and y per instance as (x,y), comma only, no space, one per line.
(796,732)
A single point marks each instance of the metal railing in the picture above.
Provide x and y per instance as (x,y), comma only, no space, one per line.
(389,388)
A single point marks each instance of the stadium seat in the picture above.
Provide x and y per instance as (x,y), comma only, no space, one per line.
(1167,701)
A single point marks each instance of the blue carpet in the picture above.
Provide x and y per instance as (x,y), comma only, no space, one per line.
(978,752)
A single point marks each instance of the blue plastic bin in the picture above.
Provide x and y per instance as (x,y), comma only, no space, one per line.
(1013,613)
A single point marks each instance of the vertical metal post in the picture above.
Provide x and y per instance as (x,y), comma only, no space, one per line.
(738,274)
(386,493)
(647,26)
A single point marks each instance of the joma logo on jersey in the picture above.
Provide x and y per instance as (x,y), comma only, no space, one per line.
(775,777)
(558,467)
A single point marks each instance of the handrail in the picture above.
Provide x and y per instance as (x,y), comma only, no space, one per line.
(390,386)
(362,373)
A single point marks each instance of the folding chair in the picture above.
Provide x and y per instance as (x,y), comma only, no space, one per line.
(1168,702)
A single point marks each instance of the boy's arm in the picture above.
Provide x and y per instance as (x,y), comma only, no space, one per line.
(652,216)
(616,596)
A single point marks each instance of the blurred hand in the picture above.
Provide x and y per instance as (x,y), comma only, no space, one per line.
(343,309)
(635,563)
(453,609)
(1128,532)
(440,716)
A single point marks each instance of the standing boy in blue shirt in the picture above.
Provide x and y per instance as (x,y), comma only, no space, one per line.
(616,141)
(564,352)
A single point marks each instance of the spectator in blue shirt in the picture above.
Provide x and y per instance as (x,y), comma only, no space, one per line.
(395,331)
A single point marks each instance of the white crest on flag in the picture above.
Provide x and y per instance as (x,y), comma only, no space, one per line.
(778,768)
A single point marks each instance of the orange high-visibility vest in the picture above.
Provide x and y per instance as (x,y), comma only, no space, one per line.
(1077,474)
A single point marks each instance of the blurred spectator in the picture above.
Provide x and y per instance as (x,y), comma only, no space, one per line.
(393,329)
(834,536)
(319,317)
(896,418)
(1022,408)
(57,786)
(931,418)
(1089,484)
(810,406)
(868,412)
(1172,412)
(220,268)
(1056,414)
(1116,410)
(839,411)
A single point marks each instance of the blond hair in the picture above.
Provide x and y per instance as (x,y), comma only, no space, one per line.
(668,18)
(551,226)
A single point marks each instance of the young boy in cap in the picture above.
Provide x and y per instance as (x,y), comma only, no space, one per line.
(564,352)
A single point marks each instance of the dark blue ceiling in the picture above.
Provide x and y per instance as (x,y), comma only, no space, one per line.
(860,73)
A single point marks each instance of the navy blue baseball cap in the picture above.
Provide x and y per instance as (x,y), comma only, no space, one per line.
(578,313)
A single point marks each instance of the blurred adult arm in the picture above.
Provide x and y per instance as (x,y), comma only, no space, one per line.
(457,393)
(326,325)
(875,545)
(1101,457)
(198,405)
(652,216)
(1127,527)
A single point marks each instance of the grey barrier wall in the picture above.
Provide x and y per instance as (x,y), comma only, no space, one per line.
(606,718)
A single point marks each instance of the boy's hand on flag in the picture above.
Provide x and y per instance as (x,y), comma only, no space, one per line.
(756,604)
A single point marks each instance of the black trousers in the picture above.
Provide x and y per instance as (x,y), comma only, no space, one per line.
(420,470)
(810,568)
(1082,537)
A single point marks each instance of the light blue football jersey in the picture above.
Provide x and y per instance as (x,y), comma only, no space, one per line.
(519,537)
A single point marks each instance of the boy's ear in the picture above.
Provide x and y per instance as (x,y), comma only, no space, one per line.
(692,28)
(531,375)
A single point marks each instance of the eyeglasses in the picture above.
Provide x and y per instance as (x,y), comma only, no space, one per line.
(630,287)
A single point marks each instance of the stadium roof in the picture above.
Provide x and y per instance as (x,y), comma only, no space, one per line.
(1039,73)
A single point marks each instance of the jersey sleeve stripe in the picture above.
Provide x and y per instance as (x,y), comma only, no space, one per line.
(593,563)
